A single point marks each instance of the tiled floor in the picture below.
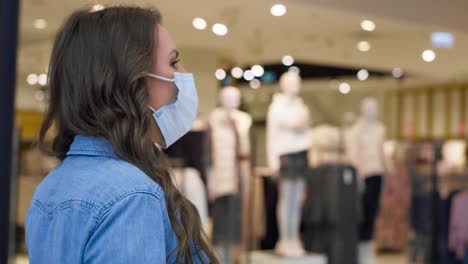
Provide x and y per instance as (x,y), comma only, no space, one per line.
(381,259)
(392,259)
(21,260)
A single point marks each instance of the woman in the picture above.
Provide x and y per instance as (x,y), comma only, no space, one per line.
(117,96)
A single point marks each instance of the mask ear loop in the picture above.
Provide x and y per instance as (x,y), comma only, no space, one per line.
(160,77)
(152,109)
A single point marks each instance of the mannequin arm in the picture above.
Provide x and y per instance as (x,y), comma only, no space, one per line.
(298,122)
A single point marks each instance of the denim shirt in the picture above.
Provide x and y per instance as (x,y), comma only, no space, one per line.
(96,208)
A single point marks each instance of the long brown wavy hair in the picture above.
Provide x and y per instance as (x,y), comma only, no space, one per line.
(97,88)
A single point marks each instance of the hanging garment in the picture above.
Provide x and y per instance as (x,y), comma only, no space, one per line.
(392,229)
(331,213)
(188,182)
(191,148)
(458,238)
(446,256)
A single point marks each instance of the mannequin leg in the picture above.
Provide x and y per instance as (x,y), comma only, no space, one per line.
(295,213)
(295,208)
(289,216)
(366,253)
(283,217)
(282,209)
(225,254)
(370,206)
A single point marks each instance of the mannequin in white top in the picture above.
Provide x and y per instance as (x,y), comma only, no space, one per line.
(287,145)
(366,153)
(229,176)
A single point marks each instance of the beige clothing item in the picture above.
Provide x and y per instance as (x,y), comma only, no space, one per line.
(325,145)
(223,178)
(366,148)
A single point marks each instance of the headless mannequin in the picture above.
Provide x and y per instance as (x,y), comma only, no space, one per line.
(287,145)
(366,152)
(326,149)
(228,182)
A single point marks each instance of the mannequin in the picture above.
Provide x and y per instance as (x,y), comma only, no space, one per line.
(287,145)
(326,149)
(229,176)
(366,153)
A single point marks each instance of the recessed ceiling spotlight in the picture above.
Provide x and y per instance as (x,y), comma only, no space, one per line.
(428,55)
(363,46)
(199,23)
(368,25)
(363,75)
(40,23)
(220,29)
(287,60)
(237,72)
(278,10)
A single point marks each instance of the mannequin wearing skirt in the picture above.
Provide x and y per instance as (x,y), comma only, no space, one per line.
(287,147)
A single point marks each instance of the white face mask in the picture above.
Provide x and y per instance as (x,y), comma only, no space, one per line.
(175,119)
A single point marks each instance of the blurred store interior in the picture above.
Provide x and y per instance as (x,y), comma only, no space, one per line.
(409,58)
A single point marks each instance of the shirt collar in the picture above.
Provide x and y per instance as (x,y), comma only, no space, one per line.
(91,146)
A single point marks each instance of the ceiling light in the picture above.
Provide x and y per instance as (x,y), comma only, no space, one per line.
(237,72)
(362,75)
(428,55)
(368,25)
(32,79)
(344,88)
(220,29)
(40,23)
(287,60)
(97,7)
(42,80)
(278,10)
(363,46)
(258,70)
(255,84)
(199,23)
(220,74)
(442,39)
(248,75)
(397,73)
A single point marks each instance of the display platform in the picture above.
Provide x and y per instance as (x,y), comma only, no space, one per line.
(270,257)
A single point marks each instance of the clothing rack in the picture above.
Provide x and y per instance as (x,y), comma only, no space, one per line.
(426,181)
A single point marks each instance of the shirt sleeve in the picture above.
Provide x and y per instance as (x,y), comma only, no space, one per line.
(271,147)
(131,231)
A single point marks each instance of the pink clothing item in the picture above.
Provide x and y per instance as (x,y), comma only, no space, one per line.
(458,237)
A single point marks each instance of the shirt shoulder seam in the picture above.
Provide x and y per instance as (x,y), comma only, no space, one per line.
(105,210)
(73,203)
